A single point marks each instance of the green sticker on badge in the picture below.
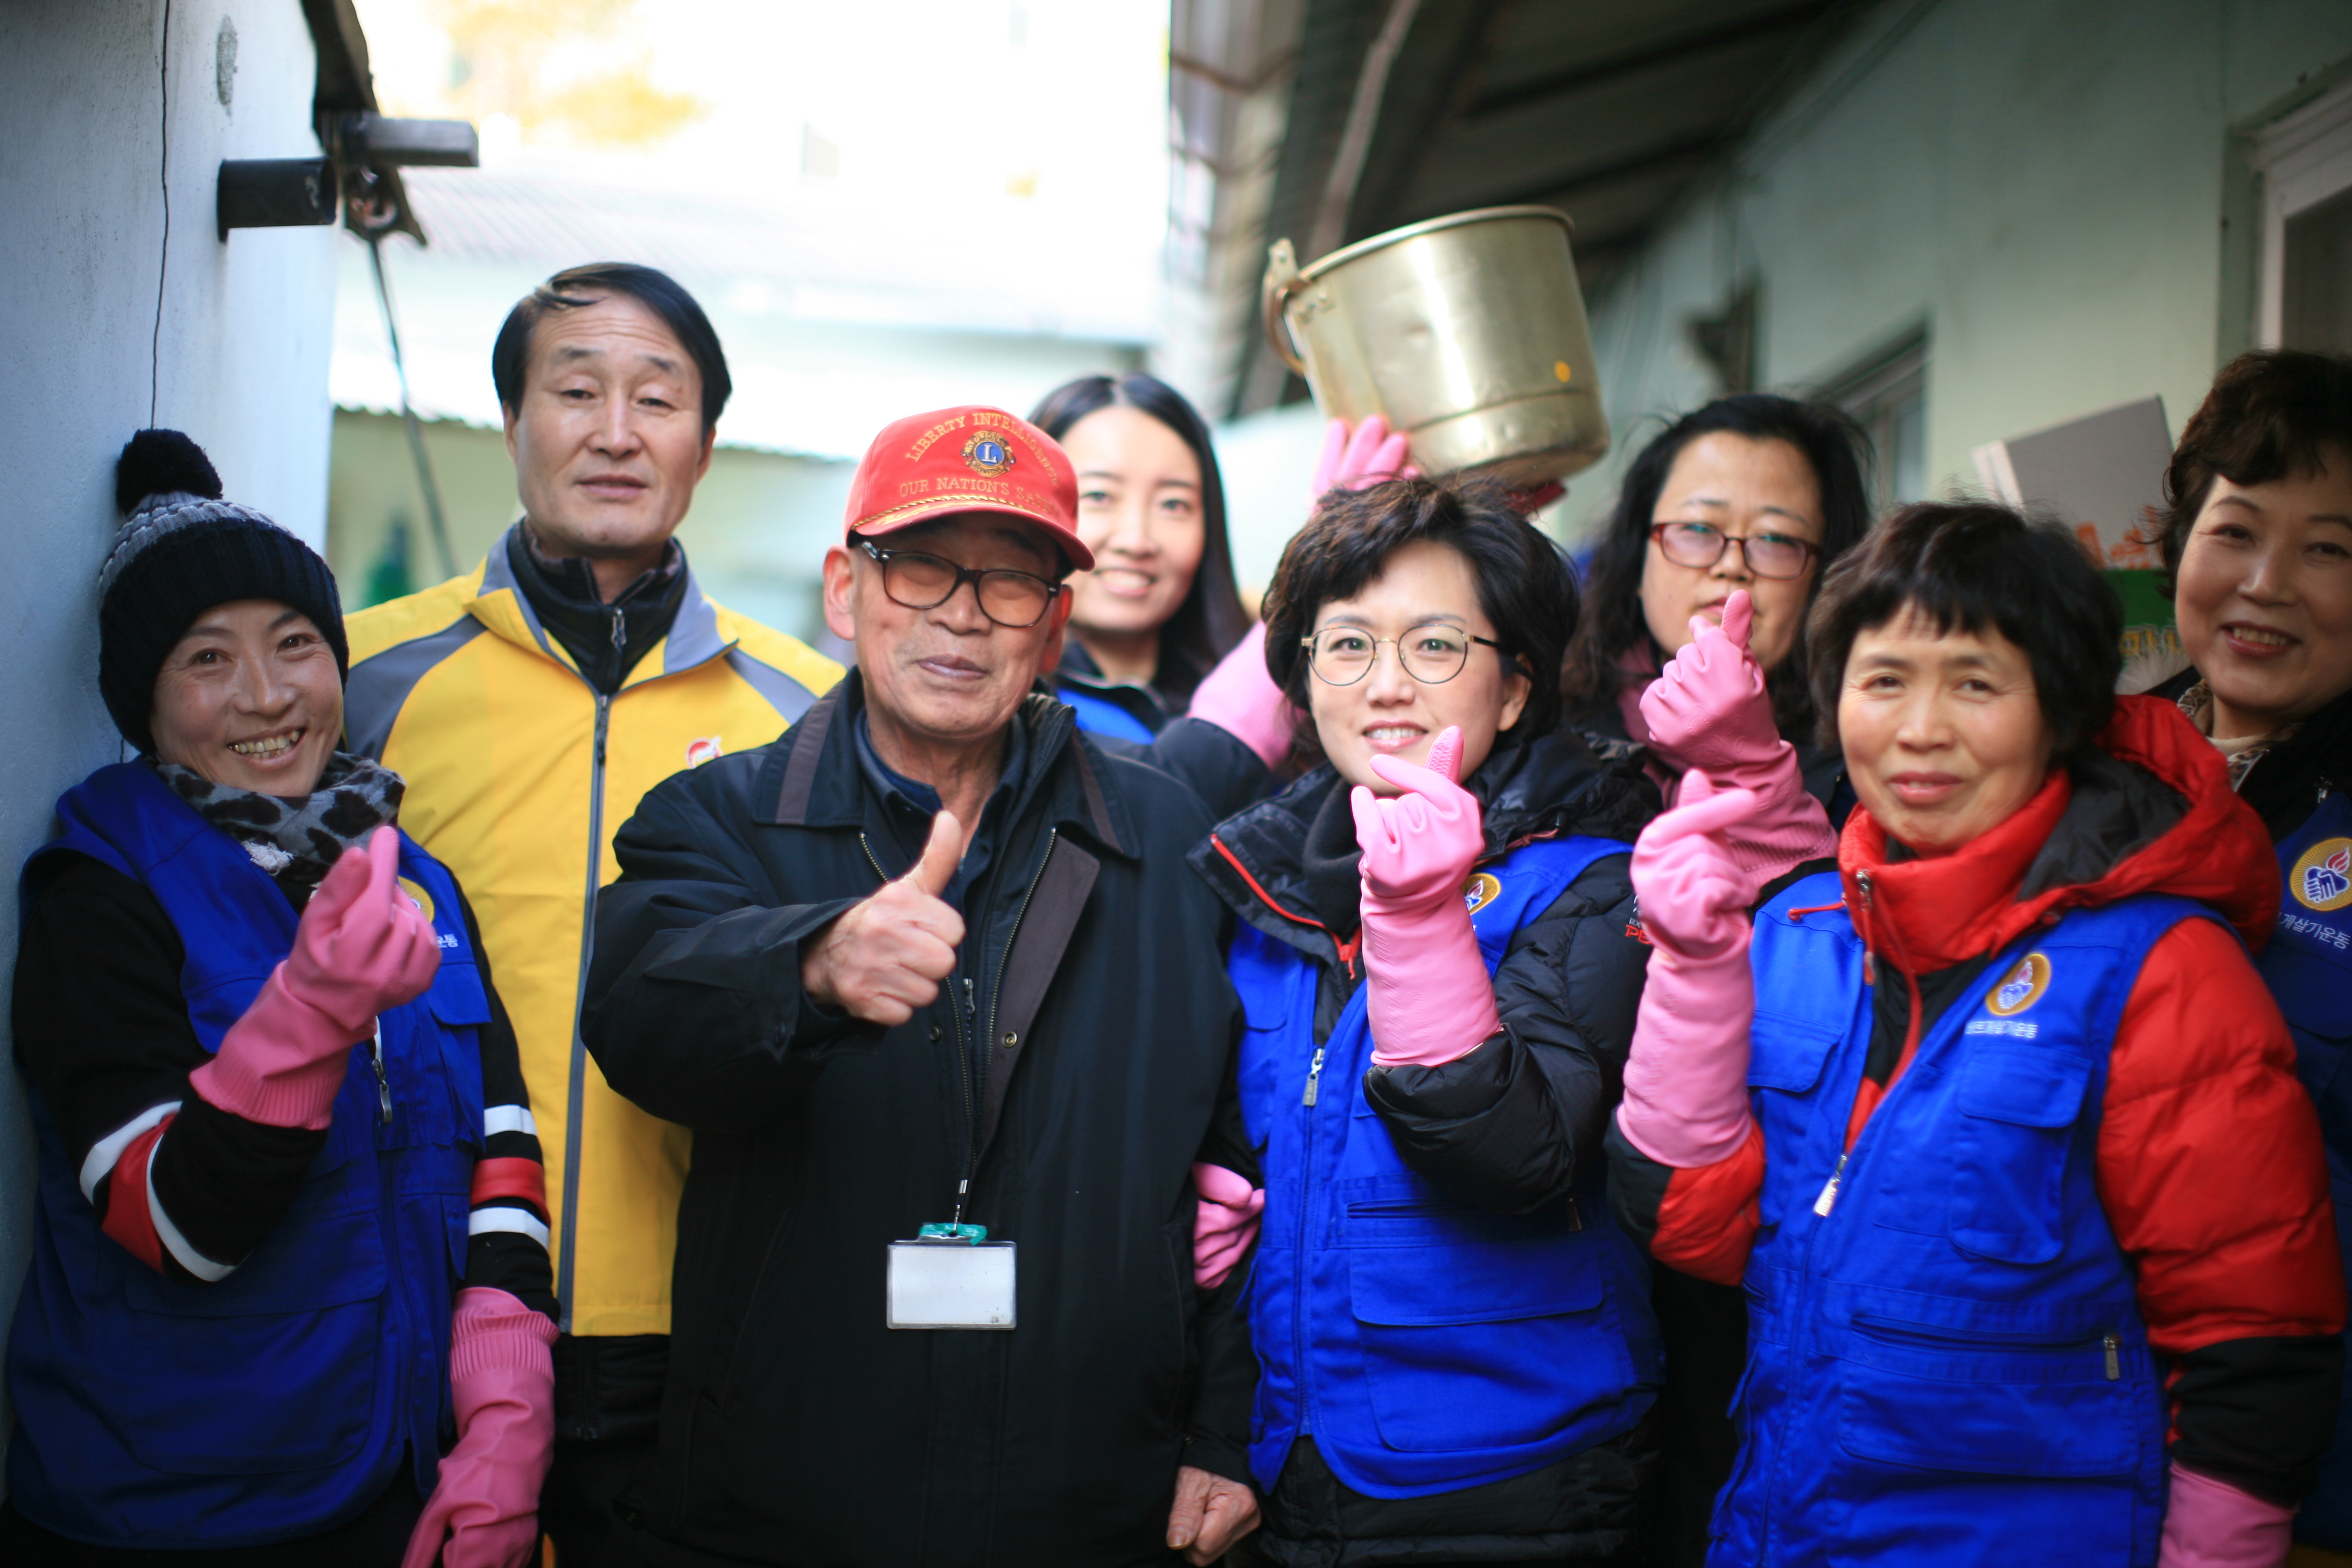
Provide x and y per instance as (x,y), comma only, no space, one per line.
(973,1233)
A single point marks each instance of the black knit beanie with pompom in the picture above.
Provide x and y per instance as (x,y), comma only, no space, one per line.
(184,551)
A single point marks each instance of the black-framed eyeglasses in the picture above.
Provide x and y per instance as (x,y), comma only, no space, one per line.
(1433,655)
(1014,600)
(1779,556)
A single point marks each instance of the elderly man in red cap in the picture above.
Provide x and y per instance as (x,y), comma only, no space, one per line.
(948,1014)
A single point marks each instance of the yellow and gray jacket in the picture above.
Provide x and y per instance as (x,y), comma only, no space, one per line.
(519,774)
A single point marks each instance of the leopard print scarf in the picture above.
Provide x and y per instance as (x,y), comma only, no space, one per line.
(296,838)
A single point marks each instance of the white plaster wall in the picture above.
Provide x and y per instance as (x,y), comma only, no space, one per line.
(2042,185)
(90,95)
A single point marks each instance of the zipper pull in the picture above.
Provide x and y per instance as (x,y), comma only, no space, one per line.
(963,1190)
(1314,1075)
(382,1084)
(620,632)
(2114,1364)
(1575,1214)
(1869,949)
(1828,1200)
(971,1006)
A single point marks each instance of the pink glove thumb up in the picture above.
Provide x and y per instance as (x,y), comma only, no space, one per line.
(1693,896)
(1738,616)
(1417,846)
(363,946)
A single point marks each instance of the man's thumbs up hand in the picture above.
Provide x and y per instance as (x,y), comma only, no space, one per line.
(942,853)
(885,957)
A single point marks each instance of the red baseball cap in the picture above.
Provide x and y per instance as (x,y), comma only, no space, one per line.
(973,459)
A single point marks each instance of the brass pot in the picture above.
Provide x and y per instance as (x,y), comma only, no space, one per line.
(1466,332)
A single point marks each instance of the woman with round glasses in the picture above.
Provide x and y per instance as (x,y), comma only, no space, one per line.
(1433,957)
(1753,493)
(1159,608)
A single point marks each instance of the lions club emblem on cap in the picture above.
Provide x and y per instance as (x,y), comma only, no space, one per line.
(987,453)
(2021,987)
(1481,889)
(2322,879)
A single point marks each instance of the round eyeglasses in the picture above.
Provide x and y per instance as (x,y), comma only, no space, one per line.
(1777,556)
(1433,655)
(1014,600)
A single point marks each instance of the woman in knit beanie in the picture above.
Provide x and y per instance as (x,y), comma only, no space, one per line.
(290,1298)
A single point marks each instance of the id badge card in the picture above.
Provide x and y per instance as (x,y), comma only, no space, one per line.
(951,1277)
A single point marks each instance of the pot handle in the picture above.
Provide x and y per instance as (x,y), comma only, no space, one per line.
(1282,281)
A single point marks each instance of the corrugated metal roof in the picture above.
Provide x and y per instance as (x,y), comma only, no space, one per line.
(1607,109)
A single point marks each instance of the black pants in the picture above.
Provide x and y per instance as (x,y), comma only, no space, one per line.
(1585,1509)
(1706,1330)
(607,1401)
(575,1505)
(376,1539)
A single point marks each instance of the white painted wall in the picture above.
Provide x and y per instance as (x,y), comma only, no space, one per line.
(106,326)
(2051,187)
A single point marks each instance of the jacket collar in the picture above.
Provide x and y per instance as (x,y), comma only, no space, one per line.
(2286,781)
(2152,814)
(814,778)
(501,605)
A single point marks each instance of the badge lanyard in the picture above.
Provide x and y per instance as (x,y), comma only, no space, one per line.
(950,1275)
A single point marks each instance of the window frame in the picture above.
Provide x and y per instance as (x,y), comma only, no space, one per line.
(2301,159)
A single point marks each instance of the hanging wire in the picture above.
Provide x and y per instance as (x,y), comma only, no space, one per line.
(375,239)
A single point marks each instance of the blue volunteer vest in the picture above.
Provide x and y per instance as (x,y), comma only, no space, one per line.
(2308,965)
(277,1402)
(1426,1346)
(1100,716)
(1949,1366)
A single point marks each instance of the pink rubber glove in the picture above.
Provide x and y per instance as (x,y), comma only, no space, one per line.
(1239,697)
(1707,709)
(2212,1524)
(1687,1078)
(1373,454)
(1225,1224)
(363,946)
(485,1507)
(1431,997)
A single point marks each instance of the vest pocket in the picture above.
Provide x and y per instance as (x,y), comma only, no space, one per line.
(302,1318)
(1990,1468)
(1484,1343)
(1785,1058)
(2010,1144)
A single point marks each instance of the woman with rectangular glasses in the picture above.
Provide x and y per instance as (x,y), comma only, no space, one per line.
(1436,960)
(1754,494)
(1690,655)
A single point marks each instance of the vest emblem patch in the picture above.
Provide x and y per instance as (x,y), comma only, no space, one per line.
(1483,888)
(2021,988)
(417,895)
(703,749)
(2323,877)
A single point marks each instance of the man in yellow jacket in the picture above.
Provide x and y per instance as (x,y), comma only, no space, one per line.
(529,704)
